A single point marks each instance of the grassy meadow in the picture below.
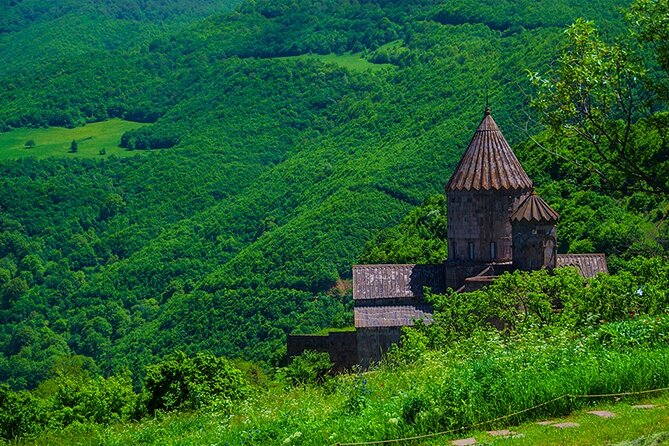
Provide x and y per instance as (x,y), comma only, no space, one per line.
(351,61)
(55,141)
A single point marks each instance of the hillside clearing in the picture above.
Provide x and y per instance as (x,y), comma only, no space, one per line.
(55,141)
(351,61)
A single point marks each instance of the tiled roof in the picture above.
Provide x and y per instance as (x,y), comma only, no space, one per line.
(534,208)
(392,315)
(588,264)
(396,281)
(488,163)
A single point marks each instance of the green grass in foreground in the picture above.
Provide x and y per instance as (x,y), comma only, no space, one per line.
(628,425)
(191,429)
(55,141)
(352,61)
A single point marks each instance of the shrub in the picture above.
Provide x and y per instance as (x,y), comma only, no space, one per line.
(514,301)
(357,396)
(21,413)
(310,367)
(180,382)
(640,289)
(98,400)
(523,300)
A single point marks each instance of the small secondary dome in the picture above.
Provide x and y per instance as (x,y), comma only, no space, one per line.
(534,208)
(489,163)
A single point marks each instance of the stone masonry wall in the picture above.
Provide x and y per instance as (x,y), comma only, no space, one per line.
(341,346)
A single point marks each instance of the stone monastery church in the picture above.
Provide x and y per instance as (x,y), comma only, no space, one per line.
(496,223)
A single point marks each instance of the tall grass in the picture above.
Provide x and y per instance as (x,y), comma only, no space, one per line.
(483,378)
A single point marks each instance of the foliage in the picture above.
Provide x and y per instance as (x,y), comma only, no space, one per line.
(310,367)
(513,302)
(357,397)
(20,413)
(185,383)
(64,400)
(607,95)
(647,19)
(419,238)
(523,300)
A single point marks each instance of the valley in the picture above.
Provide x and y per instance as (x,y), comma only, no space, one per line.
(253,151)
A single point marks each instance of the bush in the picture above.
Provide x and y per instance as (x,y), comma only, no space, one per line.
(98,400)
(310,367)
(21,413)
(180,382)
(513,302)
(523,300)
(65,400)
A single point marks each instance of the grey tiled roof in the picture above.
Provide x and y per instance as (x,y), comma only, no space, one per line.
(396,281)
(588,264)
(391,315)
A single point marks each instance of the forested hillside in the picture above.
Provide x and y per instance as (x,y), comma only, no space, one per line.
(268,172)
(35,33)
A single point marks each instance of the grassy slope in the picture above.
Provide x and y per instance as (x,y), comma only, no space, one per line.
(55,141)
(205,429)
(351,61)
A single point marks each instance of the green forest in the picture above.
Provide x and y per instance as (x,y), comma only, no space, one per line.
(264,147)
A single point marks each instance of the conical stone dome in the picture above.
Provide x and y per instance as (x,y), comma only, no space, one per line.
(488,163)
(535,209)
(487,187)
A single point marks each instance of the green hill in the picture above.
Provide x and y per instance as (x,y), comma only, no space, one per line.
(287,153)
(296,138)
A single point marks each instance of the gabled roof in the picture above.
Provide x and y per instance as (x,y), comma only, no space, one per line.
(587,264)
(488,163)
(396,281)
(392,295)
(534,208)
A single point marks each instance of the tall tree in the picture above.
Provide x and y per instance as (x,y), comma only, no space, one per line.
(611,98)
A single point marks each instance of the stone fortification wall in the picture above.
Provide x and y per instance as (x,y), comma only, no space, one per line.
(341,346)
(373,343)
